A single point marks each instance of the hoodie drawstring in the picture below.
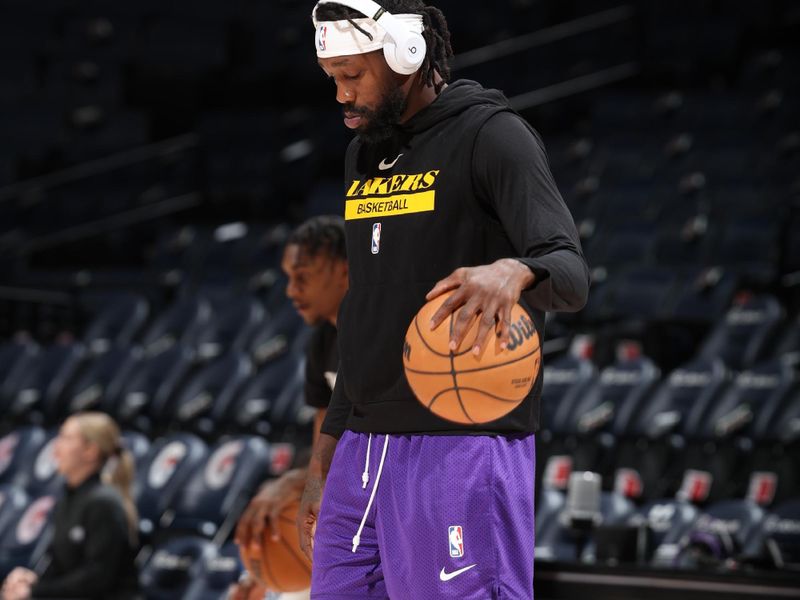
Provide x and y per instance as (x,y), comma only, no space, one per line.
(357,536)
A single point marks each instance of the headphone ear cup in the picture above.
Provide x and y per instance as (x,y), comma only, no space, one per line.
(407,57)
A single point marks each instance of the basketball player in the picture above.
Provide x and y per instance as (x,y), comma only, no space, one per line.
(315,264)
(446,188)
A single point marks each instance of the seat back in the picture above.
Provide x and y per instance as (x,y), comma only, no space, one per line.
(216,575)
(740,338)
(16,448)
(173,566)
(166,468)
(216,493)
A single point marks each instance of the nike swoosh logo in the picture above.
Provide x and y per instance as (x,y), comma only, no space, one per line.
(383,165)
(445,576)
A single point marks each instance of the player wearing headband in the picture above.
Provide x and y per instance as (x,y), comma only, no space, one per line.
(446,188)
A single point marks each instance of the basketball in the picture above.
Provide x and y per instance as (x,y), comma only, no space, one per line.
(280,565)
(464,388)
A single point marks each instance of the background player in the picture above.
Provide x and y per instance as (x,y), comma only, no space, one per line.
(315,263)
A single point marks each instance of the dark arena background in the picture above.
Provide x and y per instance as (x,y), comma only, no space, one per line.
(154,155)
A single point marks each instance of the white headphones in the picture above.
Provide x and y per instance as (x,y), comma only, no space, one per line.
(405,50)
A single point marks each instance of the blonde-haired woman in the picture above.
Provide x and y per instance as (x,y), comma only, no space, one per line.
(95,522)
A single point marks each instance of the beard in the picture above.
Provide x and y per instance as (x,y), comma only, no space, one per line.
(382,122)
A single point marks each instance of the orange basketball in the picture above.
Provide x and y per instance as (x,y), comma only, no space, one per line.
(464,388)
(280,565)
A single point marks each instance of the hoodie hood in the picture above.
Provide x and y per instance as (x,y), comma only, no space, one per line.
(452,101)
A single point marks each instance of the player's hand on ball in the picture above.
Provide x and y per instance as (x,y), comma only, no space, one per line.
(266,506)
(488,292)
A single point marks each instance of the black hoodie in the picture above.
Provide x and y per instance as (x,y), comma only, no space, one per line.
(464,182)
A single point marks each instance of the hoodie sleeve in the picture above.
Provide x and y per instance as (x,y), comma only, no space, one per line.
(338,411)
(512,176)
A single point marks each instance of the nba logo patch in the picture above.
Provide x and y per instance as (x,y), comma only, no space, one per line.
(456,537)
(376,238)
(322,35)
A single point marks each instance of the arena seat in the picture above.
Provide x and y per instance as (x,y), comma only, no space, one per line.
(721,531)
(24,544)
(41,381)
(741,336)
(149,389)
(667,521)
(231,329)
(566,379)
(16,448)
(774,476)
(181,322)
(101,379)
(606,410)
(720,447)
(643,293)
(214,496)
(116,321)
(777,539)
(252,410)
(706,293)
(648,458)
(276,336)
(205,399)
(13,501)
(216,575)
(137,444)
(173,567)
(167,467)
(39,476)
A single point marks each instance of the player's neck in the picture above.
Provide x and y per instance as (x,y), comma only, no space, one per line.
(421,95)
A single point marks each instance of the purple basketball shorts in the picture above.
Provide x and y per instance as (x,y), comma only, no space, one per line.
(451,517)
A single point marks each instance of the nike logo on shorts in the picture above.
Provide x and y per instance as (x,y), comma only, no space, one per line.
(383,165)
(445,576)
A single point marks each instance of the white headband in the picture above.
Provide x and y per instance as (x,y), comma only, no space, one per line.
(341,38)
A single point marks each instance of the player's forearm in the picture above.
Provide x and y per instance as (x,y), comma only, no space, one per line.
(322,456)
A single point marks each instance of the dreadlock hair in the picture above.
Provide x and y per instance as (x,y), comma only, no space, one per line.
(436,33)
(321,234)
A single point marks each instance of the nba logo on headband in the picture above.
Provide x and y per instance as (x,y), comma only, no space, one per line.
(322,34)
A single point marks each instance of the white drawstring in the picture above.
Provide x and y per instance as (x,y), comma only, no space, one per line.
(365,474)
(357,536)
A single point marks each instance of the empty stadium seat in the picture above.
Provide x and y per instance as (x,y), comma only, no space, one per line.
(231,329)
(777,539)
(721,531)
(648,458)
(605,412)
(741,337)
(150,388)
(41,381)
(206,398)
(117,319)
(166,468)
(173,567)
(97,381)
(16,449)
(216,575)
(24,543)
(277,335)
(181,322)
(720,447)
(219,489)
(252,410)
(667,521)
(13,501)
